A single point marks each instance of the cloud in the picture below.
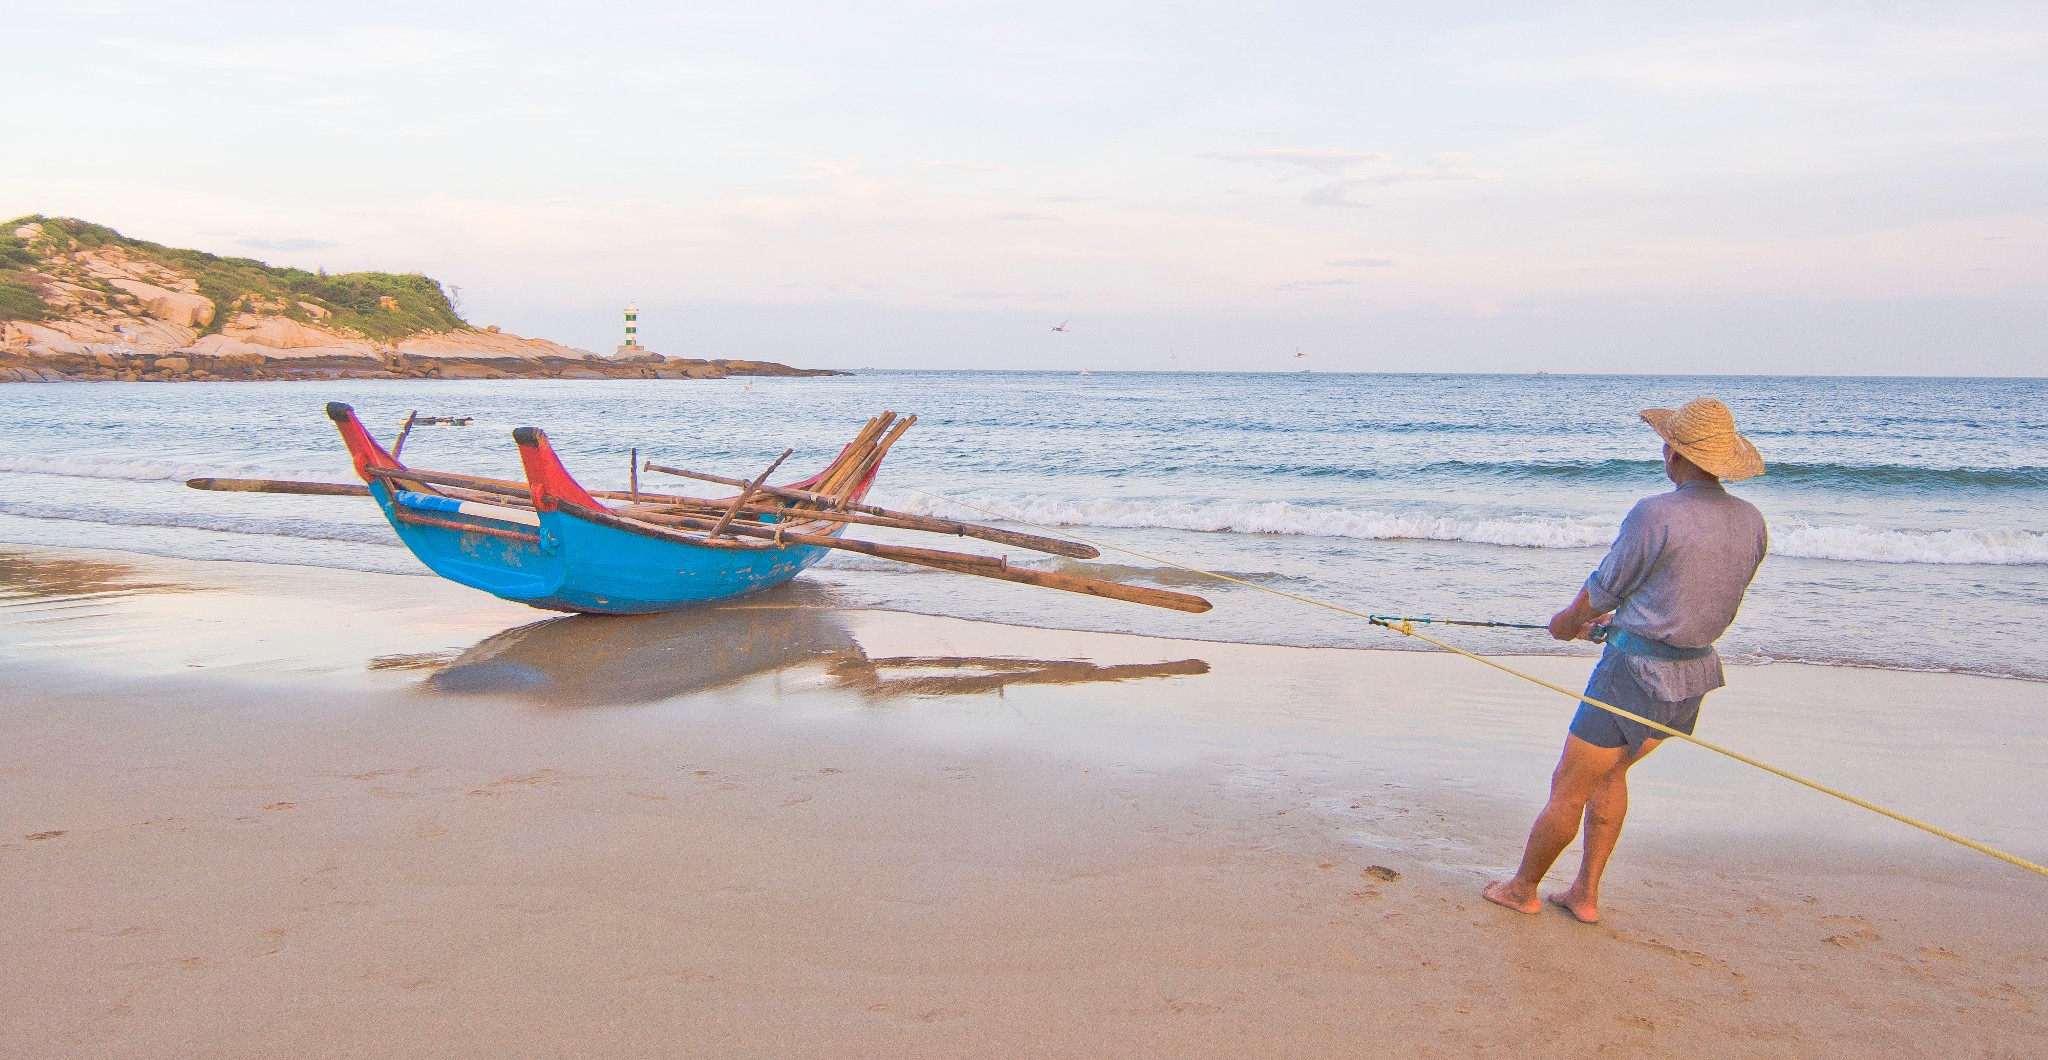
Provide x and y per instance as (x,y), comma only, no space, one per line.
(1321,160)
(1355,170)
(950,163)
(1309,285)
(1018,215)
(288,245)
(1338,193)
(1361,263)
(825,170)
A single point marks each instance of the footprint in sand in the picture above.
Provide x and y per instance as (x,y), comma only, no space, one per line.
(378,774)
(934,1016)
(798,801)
(1862,937)
(282,806)
(1380,873)
(531,780)
(43,835)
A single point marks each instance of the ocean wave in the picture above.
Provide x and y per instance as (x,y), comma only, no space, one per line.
(1877,545)
(1848,476)
(135,469)
(1279,517)
(377,533)
(1992,546)
(124,468)
(1110,571)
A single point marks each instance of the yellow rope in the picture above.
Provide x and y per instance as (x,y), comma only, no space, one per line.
(1407,629)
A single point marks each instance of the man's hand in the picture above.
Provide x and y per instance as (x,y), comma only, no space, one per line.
(1577,621)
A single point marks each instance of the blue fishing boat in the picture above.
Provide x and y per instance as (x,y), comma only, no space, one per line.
(551,543)
(542,543)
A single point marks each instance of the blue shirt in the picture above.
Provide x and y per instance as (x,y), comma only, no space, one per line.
(1677,573)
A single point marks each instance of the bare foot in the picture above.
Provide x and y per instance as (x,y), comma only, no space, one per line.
(1504,893)
(1581,910)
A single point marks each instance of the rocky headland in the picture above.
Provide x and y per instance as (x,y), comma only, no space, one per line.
(81,301)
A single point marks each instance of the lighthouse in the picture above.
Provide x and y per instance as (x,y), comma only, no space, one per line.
(631,347)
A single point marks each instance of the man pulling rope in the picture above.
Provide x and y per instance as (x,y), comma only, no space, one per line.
(1669,587)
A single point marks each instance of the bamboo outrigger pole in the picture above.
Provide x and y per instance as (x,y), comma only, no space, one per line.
(271,485)
(957,562)
(905,520)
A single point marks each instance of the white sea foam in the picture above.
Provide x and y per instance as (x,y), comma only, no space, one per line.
(125,468)
(307,529)
(2005,547)
(1875,545)
(1278,517)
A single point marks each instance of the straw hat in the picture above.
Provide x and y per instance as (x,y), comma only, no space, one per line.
(1704,433)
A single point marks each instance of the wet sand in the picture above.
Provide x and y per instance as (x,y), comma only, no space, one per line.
(253,810)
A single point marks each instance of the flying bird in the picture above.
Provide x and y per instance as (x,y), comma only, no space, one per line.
(1298,355)
(1062,325)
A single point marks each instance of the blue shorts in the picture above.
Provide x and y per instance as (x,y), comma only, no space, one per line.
(1614,683)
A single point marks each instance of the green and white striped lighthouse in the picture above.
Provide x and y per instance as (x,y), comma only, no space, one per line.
(632,325)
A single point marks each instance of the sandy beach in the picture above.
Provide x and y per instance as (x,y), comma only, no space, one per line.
(255,810)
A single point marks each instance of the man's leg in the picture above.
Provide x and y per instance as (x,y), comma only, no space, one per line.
(1581,770)
(1605,812)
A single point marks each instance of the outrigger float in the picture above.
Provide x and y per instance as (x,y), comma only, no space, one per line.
(550,543)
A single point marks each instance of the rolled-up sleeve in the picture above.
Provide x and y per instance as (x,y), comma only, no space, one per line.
(1629,560)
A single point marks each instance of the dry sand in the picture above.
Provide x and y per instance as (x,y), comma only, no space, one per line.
(266,811)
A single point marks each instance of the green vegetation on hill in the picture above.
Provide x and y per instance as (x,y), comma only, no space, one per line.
(356,300)
(18,299)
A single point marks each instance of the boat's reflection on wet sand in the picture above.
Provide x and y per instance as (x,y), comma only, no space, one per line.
(598,660)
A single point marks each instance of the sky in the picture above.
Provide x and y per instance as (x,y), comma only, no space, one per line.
(1784,187)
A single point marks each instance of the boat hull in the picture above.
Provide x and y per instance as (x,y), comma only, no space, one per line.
(616,572)
(555,560)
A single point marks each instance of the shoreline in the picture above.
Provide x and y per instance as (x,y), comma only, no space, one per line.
(330,813)
(187,366)
(1745,662)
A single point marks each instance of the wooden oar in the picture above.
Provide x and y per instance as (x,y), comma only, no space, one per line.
(516,492)
(444,478)
(1049,545)
(957,562)
(901,520)
(271,485)
(737,502)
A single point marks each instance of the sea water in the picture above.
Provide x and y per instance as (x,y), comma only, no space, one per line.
(1909,517)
